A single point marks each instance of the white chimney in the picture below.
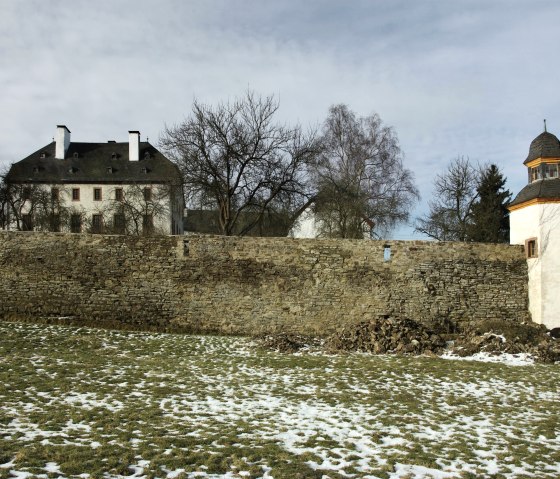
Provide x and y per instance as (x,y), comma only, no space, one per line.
(62,139)
(134,145)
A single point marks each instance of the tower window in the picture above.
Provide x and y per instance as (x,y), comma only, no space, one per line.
(536,173)
(551,170)
(531,250)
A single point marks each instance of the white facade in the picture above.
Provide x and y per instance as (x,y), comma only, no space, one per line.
(305,226)
(120,188)
(147,208)
(541,222)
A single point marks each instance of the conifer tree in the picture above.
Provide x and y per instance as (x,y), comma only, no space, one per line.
(490,217)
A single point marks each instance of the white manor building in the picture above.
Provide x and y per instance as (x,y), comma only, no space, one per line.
(120,188)
(535,223)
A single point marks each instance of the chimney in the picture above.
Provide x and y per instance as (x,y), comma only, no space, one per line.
(62,142)
(134,145)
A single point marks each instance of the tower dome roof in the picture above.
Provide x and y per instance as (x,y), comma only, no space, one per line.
(546,145)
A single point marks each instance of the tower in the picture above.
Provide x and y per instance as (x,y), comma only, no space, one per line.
(535,223)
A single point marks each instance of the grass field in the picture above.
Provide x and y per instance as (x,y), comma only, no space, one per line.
(78,402)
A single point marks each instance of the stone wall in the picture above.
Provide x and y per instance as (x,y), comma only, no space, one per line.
(252,285)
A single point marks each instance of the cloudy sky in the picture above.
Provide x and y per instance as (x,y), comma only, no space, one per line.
(472,78)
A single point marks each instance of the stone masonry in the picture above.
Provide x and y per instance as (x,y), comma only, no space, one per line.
(238,285)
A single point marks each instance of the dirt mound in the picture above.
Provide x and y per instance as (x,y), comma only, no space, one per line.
(386,335)
(497,337)
(288,343)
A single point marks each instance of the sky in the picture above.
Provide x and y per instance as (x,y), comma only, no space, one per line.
(453,78)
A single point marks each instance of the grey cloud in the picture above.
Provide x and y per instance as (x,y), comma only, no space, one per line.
(472,78)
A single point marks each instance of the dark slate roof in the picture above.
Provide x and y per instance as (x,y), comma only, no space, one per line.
(546,145)
(549,188)
(94,163)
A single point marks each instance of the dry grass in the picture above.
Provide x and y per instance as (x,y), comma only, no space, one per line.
(78,401)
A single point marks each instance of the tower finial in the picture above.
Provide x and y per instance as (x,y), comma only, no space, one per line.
(545,126)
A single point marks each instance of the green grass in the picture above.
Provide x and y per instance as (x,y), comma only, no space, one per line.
(99,402)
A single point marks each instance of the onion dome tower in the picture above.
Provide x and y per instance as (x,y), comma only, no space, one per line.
(535,222)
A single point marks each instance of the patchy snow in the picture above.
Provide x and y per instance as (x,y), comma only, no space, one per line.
(521,359)
(353,415)
(52,467)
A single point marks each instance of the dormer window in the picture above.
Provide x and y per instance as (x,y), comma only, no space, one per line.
(110,169)
(145,170)
(36,169)
(42,155)
(76,155)
(113,156)
(147,155)
(72,170)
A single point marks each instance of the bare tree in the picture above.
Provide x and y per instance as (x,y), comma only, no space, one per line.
(32,206)
(235,158)
(455,192)
(4,201)
(137,211)
(23,201)
(359,176)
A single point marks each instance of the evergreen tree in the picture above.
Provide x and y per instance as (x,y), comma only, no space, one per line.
(490,217)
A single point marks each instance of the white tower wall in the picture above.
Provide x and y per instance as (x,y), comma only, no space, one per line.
(541,221)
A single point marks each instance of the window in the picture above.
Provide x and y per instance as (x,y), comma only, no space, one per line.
(536,173)
(531,248)
(55,194)
(76,223)
(75,194)
(97,224)
(118,194)
(147,194)
(147,224)
(54,222)
(97,194)
(119,223)
(551,170)
(26,223)
(26,193)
